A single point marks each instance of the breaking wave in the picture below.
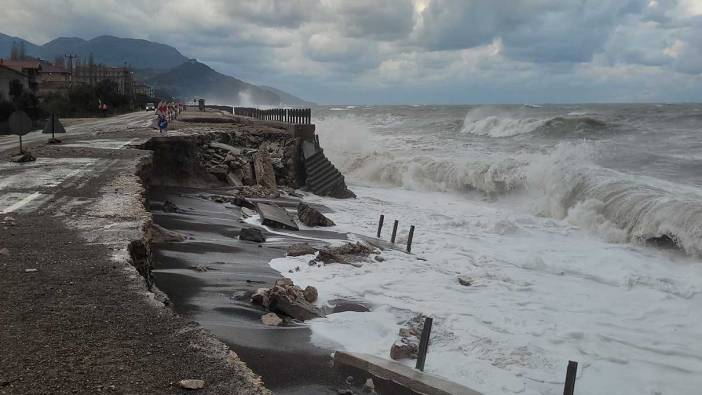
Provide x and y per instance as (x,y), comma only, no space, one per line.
(565,183)
(500,123)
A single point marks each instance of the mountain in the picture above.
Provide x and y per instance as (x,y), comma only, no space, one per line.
(163,66)
(193,79)
(286,98)
(115,51)
(6,45)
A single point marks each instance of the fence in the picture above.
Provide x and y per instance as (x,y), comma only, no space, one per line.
(289,115)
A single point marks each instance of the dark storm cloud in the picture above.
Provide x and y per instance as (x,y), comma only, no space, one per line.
(338,49)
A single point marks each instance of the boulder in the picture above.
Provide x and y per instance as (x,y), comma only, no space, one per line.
(310,294)
(192,384)
(260,297)
(291,301)
(252,234)
(405,348)
(300,249)
(312,217)
(263,168)
(271,319)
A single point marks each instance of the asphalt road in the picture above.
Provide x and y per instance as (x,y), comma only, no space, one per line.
(95,126)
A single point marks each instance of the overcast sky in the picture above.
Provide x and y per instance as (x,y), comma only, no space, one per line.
(411,51)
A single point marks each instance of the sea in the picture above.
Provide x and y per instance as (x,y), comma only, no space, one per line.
(578,226)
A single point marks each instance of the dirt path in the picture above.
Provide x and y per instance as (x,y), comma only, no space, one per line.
(76,316)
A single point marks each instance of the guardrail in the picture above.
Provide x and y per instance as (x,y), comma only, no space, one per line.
(289,115)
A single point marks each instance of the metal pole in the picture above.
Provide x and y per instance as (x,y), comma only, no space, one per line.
(424,343)
(409,239)
(569,388)
(394,231)
(380,224)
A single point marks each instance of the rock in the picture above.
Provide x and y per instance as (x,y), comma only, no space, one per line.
(369,386)
(291,301)
(170,207)
(310,294)
(284,282)
(192,384)
(220,172)
(327,256)
(252,234)
(234,179)
(350,306)
(465,280)
(379,258)
(162,235)
(4,252)
(263,169)
(242,202)
(312,217)
(300,249)
(405,348)
(260,297)
(23,157)
(271,319)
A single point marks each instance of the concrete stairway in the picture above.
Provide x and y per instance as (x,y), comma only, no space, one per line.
(322,177)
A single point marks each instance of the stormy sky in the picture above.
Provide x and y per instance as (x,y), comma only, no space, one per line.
(411,51)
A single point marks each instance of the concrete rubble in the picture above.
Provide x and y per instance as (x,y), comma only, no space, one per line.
(407,346)
(310,216)
(286,298)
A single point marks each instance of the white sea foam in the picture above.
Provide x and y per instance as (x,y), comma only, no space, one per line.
(544,292)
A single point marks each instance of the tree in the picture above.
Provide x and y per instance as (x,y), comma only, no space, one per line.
(14,51)
(16,89)
(22,53)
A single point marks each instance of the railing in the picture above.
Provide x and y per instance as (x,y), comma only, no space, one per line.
(289,115)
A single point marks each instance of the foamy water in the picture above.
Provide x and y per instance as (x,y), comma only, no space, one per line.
(552,212)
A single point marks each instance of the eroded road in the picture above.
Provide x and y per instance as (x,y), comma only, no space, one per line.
(75,315)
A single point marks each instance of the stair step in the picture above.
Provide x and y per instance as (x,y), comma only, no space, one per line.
(315,177)
(323,182)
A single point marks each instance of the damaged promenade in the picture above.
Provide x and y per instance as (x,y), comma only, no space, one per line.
(131,262)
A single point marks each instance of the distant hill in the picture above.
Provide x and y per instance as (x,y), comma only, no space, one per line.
(286,98)
(161,65)
(140,54)
(193,79)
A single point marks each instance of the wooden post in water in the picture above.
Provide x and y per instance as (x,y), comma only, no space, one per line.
(409,239)
(424,343)
(394,231)
(380,224)
(569,388)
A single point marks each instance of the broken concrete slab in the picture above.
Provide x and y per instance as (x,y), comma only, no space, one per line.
(275,216)
(232,149)
(404,376)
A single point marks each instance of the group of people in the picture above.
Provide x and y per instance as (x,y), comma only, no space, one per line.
(166,112)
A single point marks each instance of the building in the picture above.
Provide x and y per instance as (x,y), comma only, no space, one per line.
(54,80)
(30,68)
(7,75)
(142,89)
(94,74)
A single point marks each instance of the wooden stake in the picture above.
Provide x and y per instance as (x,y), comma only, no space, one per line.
(380,224)
(394,231)
(424,343)
(569,388)
(409,239)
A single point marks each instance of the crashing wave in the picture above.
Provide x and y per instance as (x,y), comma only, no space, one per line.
(501,123)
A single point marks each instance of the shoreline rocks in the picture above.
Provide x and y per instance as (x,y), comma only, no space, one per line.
(252,234)
(286,298)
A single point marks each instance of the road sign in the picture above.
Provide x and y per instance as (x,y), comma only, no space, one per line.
(53,125)
(20,124)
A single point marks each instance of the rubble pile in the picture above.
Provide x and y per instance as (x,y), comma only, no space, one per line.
(407,346)
(348,253)
(285,298)
(246,159)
